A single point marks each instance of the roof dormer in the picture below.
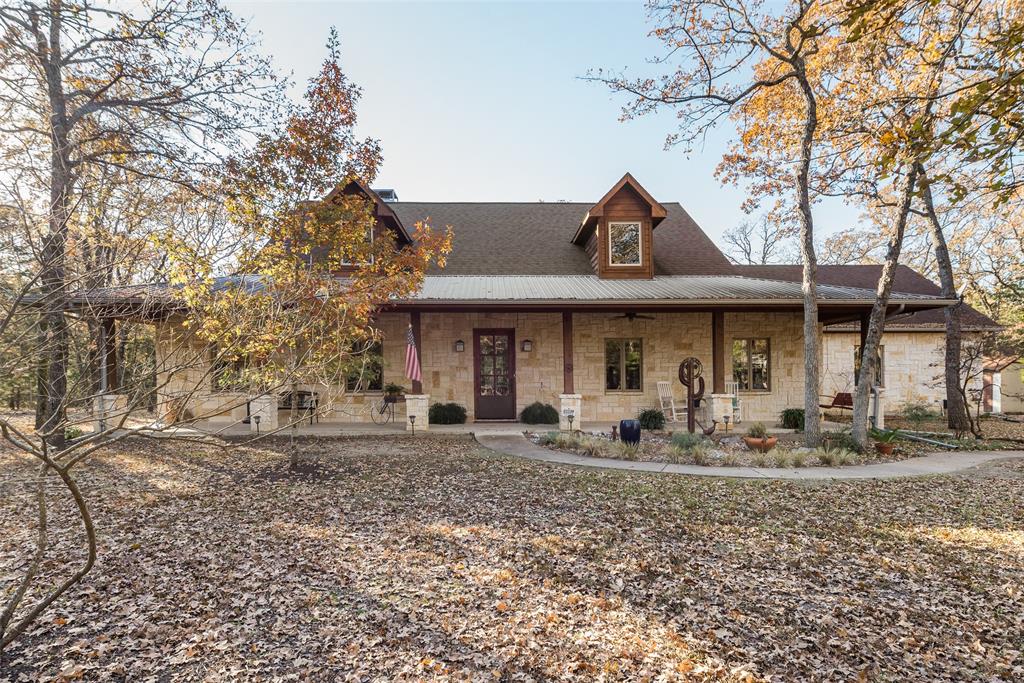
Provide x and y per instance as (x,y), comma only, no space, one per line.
(617,232)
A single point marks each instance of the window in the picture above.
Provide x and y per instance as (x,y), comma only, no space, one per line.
(623,363)
(369,240)
(367,373)
(751,364)
(227,374)
(879,366)
(624,244)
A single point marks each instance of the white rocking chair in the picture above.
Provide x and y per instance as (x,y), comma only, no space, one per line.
(668,403)
(733,388)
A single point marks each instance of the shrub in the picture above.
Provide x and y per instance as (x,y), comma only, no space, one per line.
(917,413)
(626,451)
(392,388)
(652,419)
(757,431)
(779,457)
(686,440)
(760,459)
(595,448)
(447,414)
(72,433)
(792,418)
(839,440)
(799,458)
(538,413)
(549,438)
(730,459)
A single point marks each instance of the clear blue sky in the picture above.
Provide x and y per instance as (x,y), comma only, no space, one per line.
(481,101)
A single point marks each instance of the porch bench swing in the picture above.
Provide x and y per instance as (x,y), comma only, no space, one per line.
(841,401)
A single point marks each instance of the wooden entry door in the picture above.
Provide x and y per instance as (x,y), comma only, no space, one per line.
(494,362)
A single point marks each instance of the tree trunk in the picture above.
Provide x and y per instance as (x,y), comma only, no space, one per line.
(876,322)
(53,402)
(956,408)
(294,417)
(812,338)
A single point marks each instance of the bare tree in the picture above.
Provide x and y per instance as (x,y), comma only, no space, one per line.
(757,242)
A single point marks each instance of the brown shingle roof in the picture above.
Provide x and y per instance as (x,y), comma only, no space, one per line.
(502,238)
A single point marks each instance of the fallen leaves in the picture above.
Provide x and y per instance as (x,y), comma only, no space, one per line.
(395,559)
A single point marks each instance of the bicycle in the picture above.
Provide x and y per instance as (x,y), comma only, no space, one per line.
(383,410)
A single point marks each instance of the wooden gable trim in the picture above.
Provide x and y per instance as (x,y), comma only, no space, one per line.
(590,220)
(382,211)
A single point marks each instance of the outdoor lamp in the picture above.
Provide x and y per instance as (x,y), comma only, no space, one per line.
(460,346)
(412,421)
(527,345)
(256,419)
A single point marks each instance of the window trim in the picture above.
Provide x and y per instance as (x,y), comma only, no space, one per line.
(640,244)
(351,264)
(750,365)
(369,390)
(622,365)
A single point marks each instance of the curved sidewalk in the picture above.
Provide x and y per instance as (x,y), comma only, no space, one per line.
(938,463)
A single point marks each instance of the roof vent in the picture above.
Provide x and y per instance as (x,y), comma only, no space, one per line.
(387,195)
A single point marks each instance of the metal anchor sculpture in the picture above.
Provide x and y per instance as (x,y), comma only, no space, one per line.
(690,374)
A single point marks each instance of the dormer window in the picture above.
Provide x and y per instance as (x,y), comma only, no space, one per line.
(625,244)
(617,232)
(346,259)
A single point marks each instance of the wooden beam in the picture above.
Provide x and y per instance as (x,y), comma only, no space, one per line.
(414,320)
(718,352)
(108,352)
(568,386)
(865,319)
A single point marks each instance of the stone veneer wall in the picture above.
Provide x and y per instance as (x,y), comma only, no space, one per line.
(913,367)
(448,375)
(1013,388)
(785,333)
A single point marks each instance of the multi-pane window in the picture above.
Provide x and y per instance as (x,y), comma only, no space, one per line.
(367,372)
(624,244)
(346,259)
(495,367)
(623,363)
(751,364)
(879,366)
(227,374)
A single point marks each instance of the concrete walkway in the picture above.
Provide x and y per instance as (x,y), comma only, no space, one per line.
(937,463)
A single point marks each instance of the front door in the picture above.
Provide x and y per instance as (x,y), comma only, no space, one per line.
(494,356)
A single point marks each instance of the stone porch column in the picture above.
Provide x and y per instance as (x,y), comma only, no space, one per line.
(572,405)
(878,407)
(107,410)
(266,408)
(417,405)
(721,405)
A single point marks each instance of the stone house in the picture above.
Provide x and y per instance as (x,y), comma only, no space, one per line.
(587,306)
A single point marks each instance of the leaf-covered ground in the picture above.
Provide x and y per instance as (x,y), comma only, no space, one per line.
(435,560)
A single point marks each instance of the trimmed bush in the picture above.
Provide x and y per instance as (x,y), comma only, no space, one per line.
(792,418)
(447,414)
(652,419)
(539,414)
(917,413)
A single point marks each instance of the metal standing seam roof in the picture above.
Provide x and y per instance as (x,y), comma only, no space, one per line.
(712,288)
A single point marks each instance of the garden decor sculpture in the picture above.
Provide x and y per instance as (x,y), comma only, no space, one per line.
(690,374)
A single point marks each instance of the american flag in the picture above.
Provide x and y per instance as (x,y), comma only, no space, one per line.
(412,358)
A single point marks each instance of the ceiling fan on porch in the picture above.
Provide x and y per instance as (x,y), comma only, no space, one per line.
(631,316)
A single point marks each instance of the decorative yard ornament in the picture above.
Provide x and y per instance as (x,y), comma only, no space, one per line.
(690,371)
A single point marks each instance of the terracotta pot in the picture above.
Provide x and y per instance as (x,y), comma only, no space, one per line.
(885,448)
(758,444)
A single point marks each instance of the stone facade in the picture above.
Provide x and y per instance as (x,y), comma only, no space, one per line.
(1012,389)
(448,374)
(913,364)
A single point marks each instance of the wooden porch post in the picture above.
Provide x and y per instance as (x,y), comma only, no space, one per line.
(414,320)
(108,353)
(567,353)
(718,352)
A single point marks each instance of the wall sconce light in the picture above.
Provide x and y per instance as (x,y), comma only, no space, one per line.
(460,346)
(527,345)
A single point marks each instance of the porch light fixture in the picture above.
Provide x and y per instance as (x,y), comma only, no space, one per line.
(460,346)
(527,345)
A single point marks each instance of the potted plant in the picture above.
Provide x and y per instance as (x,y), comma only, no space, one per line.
(884,440)
(757,438)
(393,393)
